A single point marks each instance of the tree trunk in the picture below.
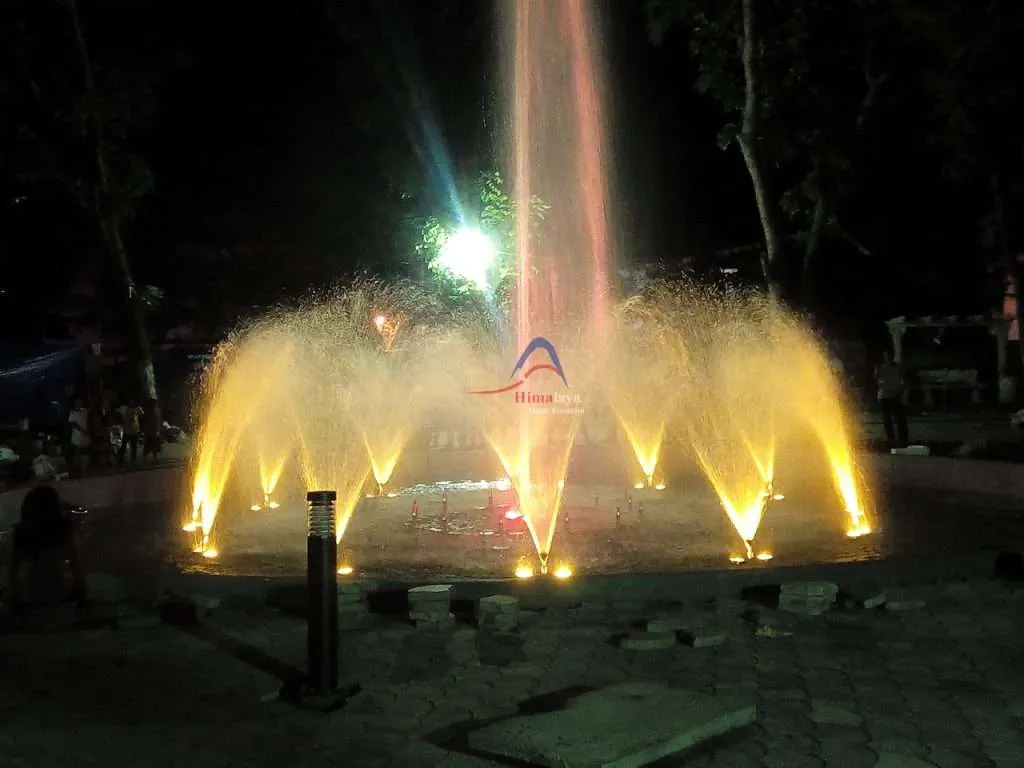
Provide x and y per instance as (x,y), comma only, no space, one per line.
(818,219)
(107,220)
(771,258)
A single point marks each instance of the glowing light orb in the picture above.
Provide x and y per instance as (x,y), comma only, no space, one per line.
(211,553)
(513,514)
(392,495)
(524,571)
(469,254)
(778,497)
(273,505)
(764,557)
(191,526)
(638,486)
(737,559)
(659,487)
(380,321)
(563,572)
(255,508)
(346,570)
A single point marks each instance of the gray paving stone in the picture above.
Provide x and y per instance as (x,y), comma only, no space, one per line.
(898,760)
(947,758)
(899,603)
(648,641)
(790,743)
(846,756)
(826,712)
(903,747)
(621,726)
(786,759)
(457,760)
(892,728)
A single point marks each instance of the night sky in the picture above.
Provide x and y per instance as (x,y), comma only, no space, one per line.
(257,129)
(285,133)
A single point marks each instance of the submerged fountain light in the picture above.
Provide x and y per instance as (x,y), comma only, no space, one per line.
(764,557)
(737,559)
(268,503)
(863,529)
(524,570)
(345,570)
(660,487)
(562,572)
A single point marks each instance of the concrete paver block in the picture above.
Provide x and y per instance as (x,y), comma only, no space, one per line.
(617,727)
(894,760)
(648,641)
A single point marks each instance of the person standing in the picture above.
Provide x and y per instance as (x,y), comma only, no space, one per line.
(78,421)
(131,414)
(891,388)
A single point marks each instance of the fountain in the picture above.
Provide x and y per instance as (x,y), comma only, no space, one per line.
(337,393)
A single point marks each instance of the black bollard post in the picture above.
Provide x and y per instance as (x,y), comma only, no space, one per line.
(415,510)
(320,688)
(618,516)
(322,583)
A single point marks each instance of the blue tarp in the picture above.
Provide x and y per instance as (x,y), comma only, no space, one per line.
(32,379)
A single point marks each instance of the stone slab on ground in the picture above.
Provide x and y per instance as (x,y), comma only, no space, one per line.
(805,606)
(623,726)
(499,604)
(677,621)
(648,641)
(431,593)
(868,599)
(703,637)
(904,600)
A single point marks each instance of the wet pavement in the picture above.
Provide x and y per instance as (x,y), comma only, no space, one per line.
(936,687)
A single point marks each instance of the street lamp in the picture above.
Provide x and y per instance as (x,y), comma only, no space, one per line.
(468,253)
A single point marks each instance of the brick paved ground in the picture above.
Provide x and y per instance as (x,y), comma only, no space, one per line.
(849,689)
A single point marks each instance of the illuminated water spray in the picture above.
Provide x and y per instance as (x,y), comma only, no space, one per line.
(557,153)
(343,382)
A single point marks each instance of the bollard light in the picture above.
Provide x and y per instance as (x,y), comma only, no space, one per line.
(322,584)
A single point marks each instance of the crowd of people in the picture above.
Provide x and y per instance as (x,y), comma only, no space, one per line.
(100,435)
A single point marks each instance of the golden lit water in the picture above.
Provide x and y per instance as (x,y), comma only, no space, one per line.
(317,398)
(338,387)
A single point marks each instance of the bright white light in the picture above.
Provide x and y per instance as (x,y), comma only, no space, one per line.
(469,254)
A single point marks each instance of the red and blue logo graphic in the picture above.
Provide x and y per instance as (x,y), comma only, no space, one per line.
(538,344)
